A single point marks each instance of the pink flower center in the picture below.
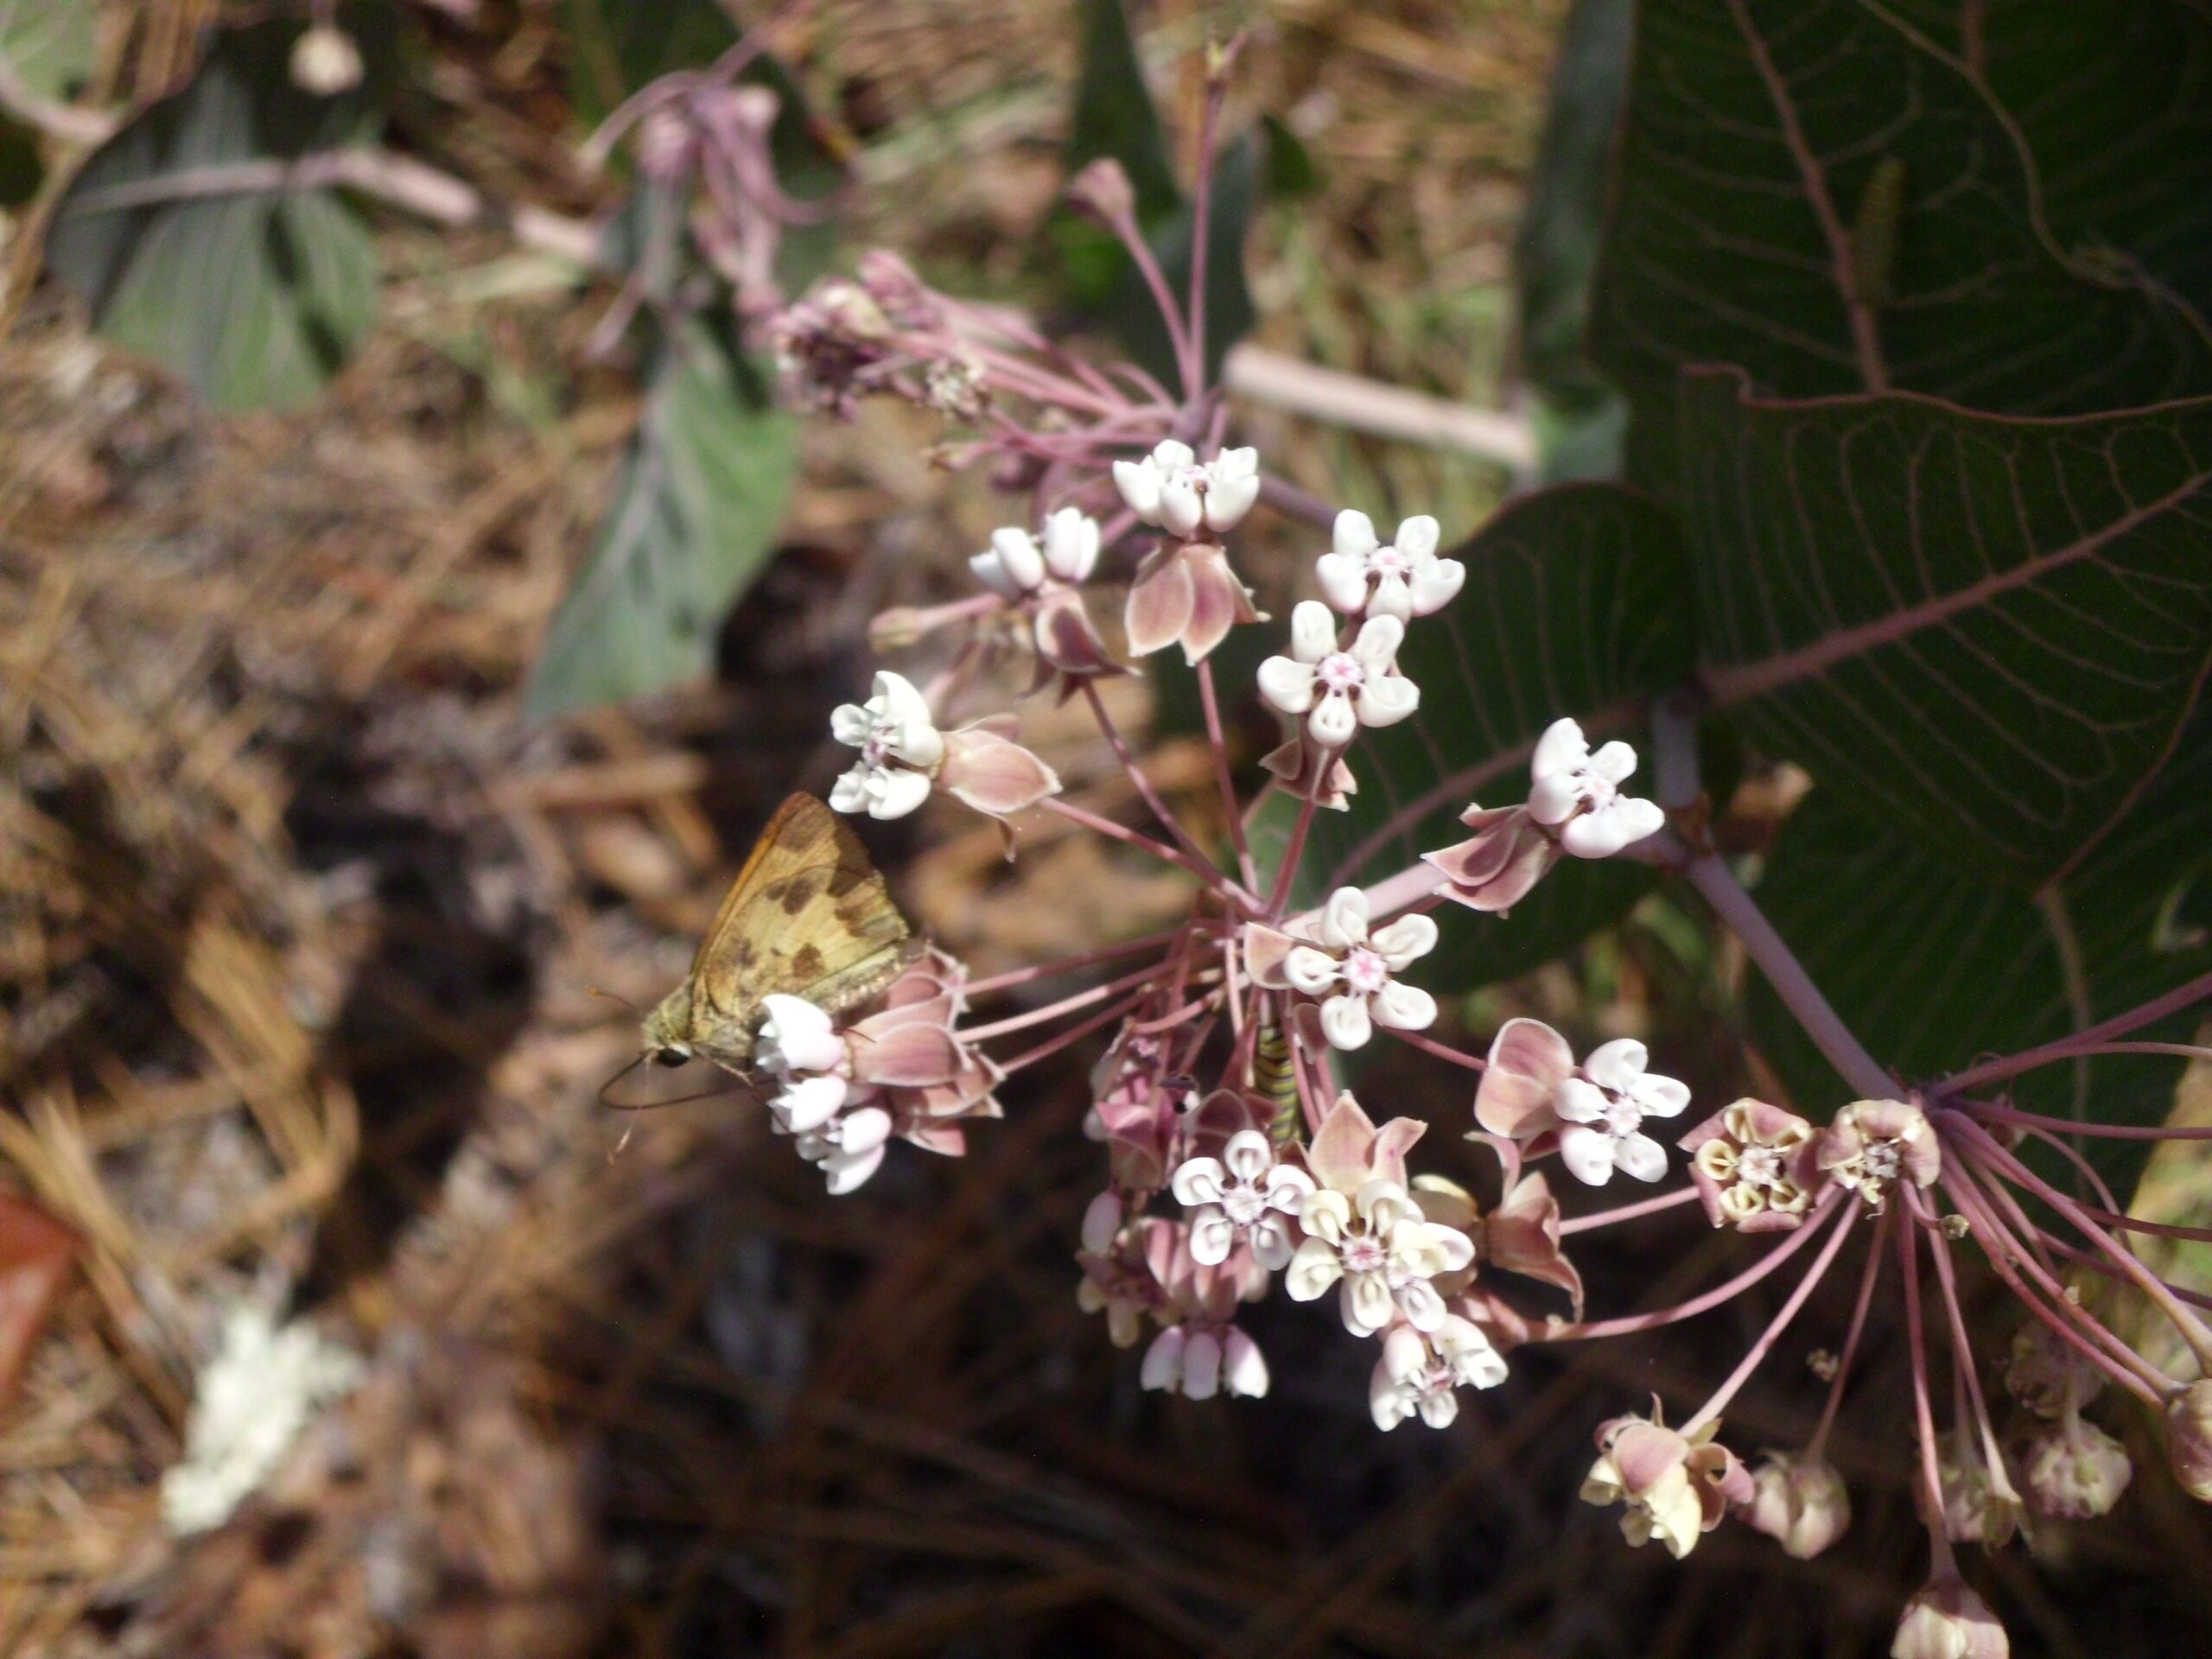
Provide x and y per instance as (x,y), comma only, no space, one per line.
(1388,561)
(1339,671)
(1365,972)
(1881,1160)
(1362,1255)
(1244,1204)
(1622,1115)
(1759,1166)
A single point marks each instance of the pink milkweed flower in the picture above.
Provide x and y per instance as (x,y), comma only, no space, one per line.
(2188,1440)
(1872,1143)
(1352,972)
(1201,1352)
(1383,1251)
(1978,1504)
(1753,1166)
(1298,773)
(1799,1501)
(1576,794)
(900,750)
(1348,1151)
(1946,1620)
(1184,593)
(1406,579)
(1042,577)
(1677,1488)
(1171,488)
(1129,1281)
(1602,1111)
(1339,691)
(1420,1376)
(1243,1194)
(1495,870)
(1517,1096)
(1520,1237)
(2073,1470)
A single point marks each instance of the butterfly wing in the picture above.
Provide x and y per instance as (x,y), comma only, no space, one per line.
(808,916)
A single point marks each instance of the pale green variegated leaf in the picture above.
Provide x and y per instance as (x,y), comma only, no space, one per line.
(1572,607)
(1988,633)
(694,517)
(255,297)
(1932,966)
(1824,195)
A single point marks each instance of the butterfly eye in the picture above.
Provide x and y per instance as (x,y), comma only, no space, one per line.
(673,1055)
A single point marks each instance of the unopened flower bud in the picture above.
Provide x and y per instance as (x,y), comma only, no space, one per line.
(1103,190)
(1101,1222)
(2044,1367)
(1799,1501)
(1946,1620)
(325,62)
(2074,1471)
(2188,1440)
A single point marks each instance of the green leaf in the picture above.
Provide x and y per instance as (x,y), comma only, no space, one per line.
(255,297)
(53,48)
(1932,966)
(1756,131)
(693,521)
(1571,607)
(1114,113)
(2114,102)
(1580,418)
(616,47)
(1989,632)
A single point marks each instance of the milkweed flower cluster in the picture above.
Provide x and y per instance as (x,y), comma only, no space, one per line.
(1234,1159)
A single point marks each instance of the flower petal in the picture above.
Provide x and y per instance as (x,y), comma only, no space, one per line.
(1163,1361)
(1159,602)
(1561,748)
(1354,535)
(1618,1065)
(1613,761)
(1247,1155)
(893,794)
(1403,1007)
(1243,1368)
(1417,536)
(1386,699)
(1345,1023)
(1139,483)
(1343,582)
(1343,921)
(1639,1155)
(1314,1267)
(1312,631)
(1577,1102)
(1405,940)
(1071,543)
(1197,1180)
(1587,1154)
(1212,1237)
(1287,684)
(1376,642)
(1201,1366)
(1334,722)
(1310,970)
(1182,510)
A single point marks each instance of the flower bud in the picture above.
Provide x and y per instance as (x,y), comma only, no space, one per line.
(2189,1438)
(2043,1366)
(1799,1501)
(1103,191)
(2074,1471)
(325,62)
(1946,1620)
(1101,1222)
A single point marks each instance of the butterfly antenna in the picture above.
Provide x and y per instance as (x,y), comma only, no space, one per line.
(613,996)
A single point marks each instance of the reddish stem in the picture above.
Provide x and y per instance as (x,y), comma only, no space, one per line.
(1697,1305)
(1081,999)
(1756,1355)
(1068,964)
(1428,1045)
(1216,736)
(1939,1543)
(1623,1212)
(2181,996)
(1867,1280)
(1983,1111)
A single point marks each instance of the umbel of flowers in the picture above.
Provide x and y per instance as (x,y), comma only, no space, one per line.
(1233,1159)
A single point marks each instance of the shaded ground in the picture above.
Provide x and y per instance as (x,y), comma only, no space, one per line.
(300,932)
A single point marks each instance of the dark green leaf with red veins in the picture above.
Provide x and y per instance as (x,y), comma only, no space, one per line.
(2115,103)
(1765,142)
(35,1253)
(1571,606)
(693,520)
(1933,967)
(255,297)
(1987,632)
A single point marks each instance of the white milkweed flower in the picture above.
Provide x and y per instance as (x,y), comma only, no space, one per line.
(799,1047)
(1244,1193)
(847,1149)
(900,746)
(1019,564)
(1173,489)
(1198,1361)
(1422,1376)
(1339,691)
(1576,795)
(1404,579)
(1382,1249)
(1601,1113)
(1355,972)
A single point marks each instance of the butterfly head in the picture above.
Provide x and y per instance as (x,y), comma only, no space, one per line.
(665,1031)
